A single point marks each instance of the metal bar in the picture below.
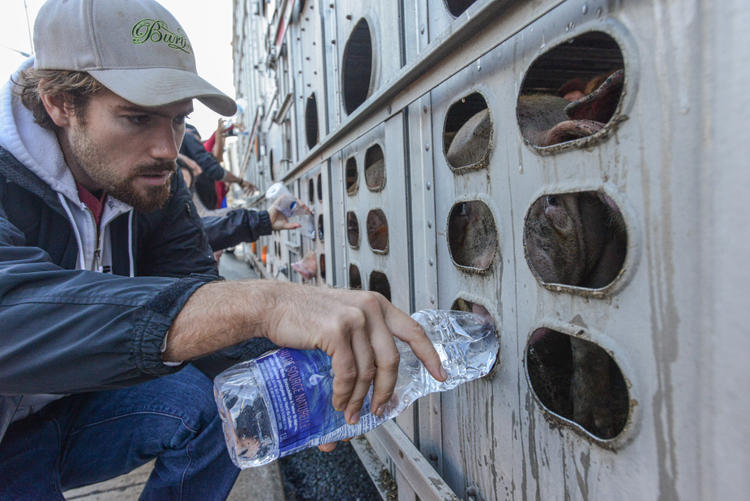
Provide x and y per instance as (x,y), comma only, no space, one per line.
(448,55)
(375,468)
(422,478)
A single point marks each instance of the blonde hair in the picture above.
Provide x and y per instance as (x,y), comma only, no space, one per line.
(75,86)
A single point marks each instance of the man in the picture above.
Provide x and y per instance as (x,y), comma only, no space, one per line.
(205,184)
(107,284)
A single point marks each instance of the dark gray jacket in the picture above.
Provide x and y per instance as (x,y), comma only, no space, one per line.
(66,330)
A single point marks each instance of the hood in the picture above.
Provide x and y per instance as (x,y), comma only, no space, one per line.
(34,146)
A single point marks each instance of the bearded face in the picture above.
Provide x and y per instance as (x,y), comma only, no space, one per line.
(131,187)
(126,150)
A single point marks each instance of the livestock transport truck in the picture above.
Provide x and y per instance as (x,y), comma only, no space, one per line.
(572,169)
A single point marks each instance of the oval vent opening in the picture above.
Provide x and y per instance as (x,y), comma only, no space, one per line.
(572,91)
(467,133)
(575,239)
(578,381)
(357,67)
(472,235)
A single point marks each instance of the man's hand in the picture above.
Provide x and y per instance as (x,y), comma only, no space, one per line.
(248,187)
(356,328)
(192,164)
(278,220)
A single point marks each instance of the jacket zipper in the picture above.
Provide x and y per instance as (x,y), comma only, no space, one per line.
(96,263)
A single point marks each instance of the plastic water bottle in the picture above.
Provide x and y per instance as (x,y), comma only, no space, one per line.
(292,209)
(280,403)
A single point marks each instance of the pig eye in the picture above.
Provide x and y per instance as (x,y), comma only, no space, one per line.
(552,200)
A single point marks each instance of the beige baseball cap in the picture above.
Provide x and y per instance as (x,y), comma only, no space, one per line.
(135,48)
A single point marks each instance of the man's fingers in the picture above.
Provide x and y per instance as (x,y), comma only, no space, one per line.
(365,360)
(327,447)
(343,359)
(408,330)
(386,362)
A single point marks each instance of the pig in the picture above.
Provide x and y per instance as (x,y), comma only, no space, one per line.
(579,239)
(377,230)
(600,104)
(575,239)
(546,120)
(352,229)
(307,267)
(572,90)
(375,174)
(471,235)
(537,114)
(471,143)
(355,280)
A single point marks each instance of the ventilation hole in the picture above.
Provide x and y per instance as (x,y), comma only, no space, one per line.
(461,304)
(468,132)
(579,381)
(311,121)
(377,231)
(323,266)
(272,166)
(320,187)
(472,235)
(457,7)
(571,91)
(357,66)
(352,176)
(321,232)
(311,191)
(379,283)
(352,229)
(375,168)
(577,239)
(355,280)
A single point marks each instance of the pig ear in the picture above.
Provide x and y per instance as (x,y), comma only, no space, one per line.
(574,87)
(600,105)
(307,267)
(570,130)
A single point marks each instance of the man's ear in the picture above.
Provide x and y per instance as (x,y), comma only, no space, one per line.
(58,108)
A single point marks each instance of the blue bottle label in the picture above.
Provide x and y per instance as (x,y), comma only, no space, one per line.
(299,384)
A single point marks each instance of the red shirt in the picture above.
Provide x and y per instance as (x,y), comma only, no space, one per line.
(95,205)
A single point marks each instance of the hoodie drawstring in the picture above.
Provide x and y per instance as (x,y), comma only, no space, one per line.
(130,244)
(81,259)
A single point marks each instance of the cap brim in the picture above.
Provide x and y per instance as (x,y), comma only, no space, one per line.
(159,86)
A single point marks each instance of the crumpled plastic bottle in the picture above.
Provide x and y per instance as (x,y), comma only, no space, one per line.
(294,211)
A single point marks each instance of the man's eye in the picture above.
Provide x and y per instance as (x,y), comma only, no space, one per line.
(181,119)
(139,119)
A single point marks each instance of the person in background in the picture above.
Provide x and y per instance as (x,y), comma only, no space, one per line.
(109,292)
(205,186)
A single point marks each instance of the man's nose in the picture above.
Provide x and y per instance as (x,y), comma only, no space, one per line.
(164,144)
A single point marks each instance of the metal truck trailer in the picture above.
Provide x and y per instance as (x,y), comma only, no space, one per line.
(415,132)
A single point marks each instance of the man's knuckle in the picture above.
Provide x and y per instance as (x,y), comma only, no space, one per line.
(391,363)
(367,375)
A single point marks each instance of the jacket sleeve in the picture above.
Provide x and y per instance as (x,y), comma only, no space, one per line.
(193,148)
(67,331)
(235,227)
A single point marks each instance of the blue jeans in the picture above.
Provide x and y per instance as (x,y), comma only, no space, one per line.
(92,437)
